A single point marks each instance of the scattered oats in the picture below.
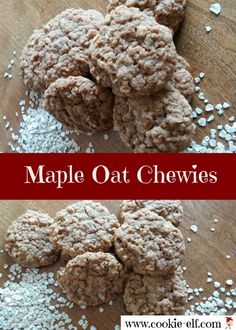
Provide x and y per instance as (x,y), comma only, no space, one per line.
(208,29)
(198,111)
(202,122)
(233,292)
(197,80)
(229,282)
(209,107)
(101,309)
(201,95)
(215,8)
(220,112)
(226,105)
(210,118)
(216,285)
(212,143)
(201,75)
(194,228)
(219,106)
(83,306)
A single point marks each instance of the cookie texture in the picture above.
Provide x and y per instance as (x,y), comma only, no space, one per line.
(27,240)
(86,226)
(60,48)
(161,123)
(161,295)
(182,78)
(92,278)
(166,12)
(80,104)
(132,53)
(150,247)
(170,210)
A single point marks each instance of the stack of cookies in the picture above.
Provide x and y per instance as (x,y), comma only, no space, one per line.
(145,265)
(151,246)
(93,70)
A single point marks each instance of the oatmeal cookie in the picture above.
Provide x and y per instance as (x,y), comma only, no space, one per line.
(80,104)
(182,79)
(161,123)
(27,240)
(92,278)
(60,48)
(86,226)
(166,12)
(150,247)
(161,295)
(170,210)
(132,53)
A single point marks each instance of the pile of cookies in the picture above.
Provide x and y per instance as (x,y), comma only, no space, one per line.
(122,69)
(140,258)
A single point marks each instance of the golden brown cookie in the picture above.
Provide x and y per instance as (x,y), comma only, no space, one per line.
(160,123)
(59,48)
(92,278)
(27,240)
(132,53)
(160,295)
(80,104)
(86,226)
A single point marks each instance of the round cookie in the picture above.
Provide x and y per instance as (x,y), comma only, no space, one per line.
(161,123)
(132,53)
(60,48)
(150,247)
(166,12)
(161,295)
(27,240)
(86,226)
(170,210)
(182,79)
(80,104)
(92,278)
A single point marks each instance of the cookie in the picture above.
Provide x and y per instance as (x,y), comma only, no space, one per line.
(161,123)
(27,240)
(166,12)
(150,247)
(59,49)
(182,79)
(86,226)
(132,53)
(170,210)
(161,295)
(92,278)
(80,104)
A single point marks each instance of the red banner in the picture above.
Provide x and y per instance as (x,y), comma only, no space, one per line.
(118,176)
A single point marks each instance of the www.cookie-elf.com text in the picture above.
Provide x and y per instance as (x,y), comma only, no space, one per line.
(101,174)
